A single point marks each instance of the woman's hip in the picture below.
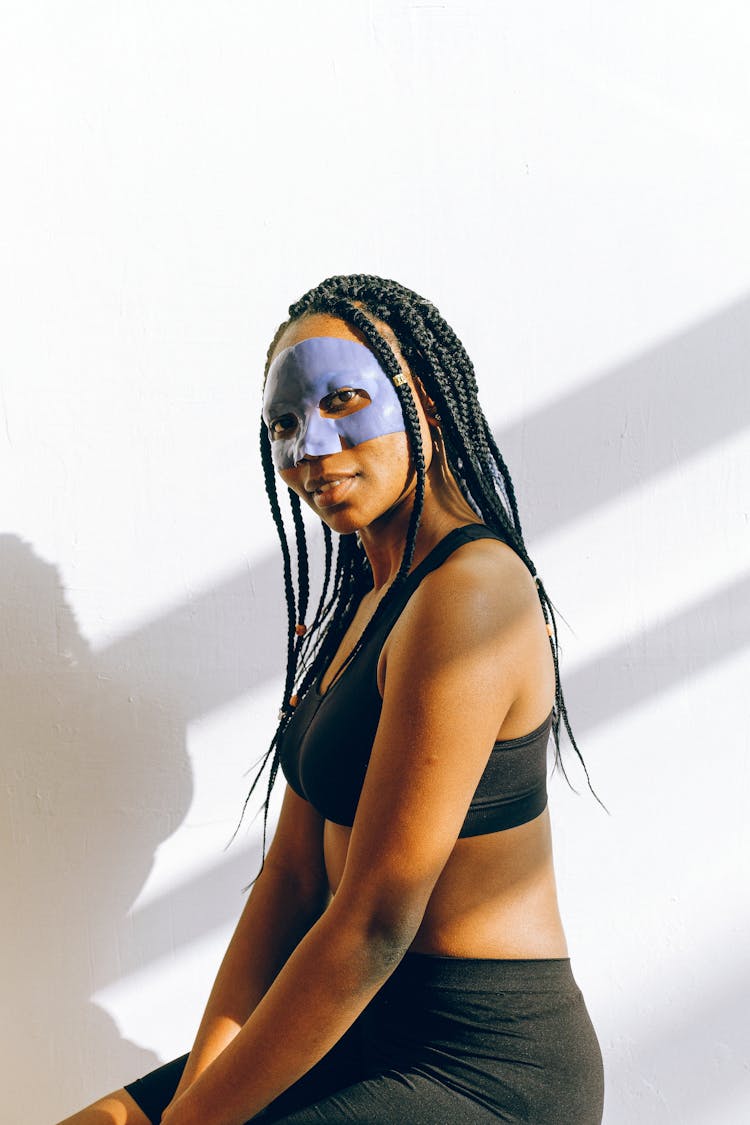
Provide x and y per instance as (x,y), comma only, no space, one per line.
(510,1033)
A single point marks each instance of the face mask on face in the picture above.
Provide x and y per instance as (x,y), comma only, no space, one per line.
(322,390)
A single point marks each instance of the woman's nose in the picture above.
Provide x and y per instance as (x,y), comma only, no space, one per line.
(319,438)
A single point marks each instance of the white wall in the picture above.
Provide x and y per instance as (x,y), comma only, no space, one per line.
(569,183)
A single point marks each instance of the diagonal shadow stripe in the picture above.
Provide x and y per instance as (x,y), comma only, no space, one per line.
(222,644)
(705,632)
(700,635)
(638,419)
(148,933)
(615,433)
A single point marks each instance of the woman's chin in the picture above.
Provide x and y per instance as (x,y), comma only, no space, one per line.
(343,523)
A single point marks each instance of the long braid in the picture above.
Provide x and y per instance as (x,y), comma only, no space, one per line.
(291,604)
(303,570)
(322,605)
(291,650)
(438,359)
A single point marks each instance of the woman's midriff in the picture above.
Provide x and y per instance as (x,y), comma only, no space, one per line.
(496,895)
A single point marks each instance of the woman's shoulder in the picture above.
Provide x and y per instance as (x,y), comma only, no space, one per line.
(483,591)
(482,571)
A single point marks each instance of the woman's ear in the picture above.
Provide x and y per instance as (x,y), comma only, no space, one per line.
(427,401)
(433,418)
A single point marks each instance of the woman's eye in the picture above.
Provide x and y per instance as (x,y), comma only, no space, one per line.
(344,401)
(279,426)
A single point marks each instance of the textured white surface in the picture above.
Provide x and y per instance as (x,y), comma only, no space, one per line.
(568,183)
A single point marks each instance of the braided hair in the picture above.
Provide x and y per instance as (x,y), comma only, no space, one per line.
(437,358)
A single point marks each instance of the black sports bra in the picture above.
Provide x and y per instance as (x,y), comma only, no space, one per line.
(326,746)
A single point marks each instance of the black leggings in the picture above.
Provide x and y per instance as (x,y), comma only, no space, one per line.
(446,1041)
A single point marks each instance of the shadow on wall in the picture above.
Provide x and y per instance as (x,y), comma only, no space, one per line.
(93,745)
(620,430)
(95,776)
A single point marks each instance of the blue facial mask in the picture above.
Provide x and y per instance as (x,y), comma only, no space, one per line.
(304,414)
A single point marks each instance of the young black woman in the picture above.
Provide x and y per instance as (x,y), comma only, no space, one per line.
(401,955)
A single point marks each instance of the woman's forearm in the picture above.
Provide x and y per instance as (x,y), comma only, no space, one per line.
(277,914)
(325,984)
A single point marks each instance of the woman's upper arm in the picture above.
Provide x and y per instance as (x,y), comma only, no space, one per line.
(454,669)
(296,850)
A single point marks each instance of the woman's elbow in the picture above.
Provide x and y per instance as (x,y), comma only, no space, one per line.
(385,930)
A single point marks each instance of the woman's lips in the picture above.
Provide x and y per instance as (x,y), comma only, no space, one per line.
(332,492)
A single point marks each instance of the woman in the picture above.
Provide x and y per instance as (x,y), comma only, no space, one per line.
(401,955)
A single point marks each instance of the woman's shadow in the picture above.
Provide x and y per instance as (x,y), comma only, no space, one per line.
(94,776)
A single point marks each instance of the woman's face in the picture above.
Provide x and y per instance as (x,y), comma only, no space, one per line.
(320,424)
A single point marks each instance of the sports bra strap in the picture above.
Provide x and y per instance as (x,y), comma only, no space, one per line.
(435,558)
(386,615)
(439,553)
(447,546)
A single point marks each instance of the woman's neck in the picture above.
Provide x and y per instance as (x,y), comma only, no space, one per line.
(444,509)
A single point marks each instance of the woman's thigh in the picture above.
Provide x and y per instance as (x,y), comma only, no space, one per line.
(153,1093)
(117,1108)
(468,1042)
(390,1099)
(339,1068)
(447,1040)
